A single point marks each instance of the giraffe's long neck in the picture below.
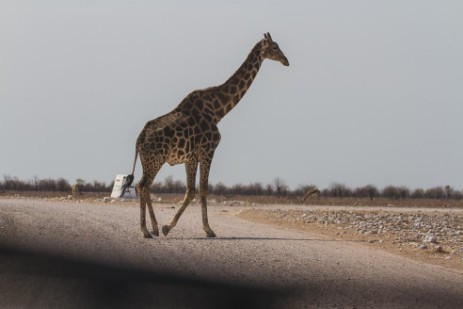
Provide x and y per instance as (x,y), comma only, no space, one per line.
(212,104)
(230,93)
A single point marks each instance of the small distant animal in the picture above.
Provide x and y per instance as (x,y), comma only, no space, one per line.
(75,190)
(314,192)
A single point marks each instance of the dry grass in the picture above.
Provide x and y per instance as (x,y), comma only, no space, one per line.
(267,200)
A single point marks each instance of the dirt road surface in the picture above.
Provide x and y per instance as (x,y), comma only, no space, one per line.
(92,255)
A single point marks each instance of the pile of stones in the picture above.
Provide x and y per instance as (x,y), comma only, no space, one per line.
(439,231)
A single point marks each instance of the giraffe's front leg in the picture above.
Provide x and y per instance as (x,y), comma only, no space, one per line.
(154,222)
(206,227)
(144,230)
(191,168)
(203,188)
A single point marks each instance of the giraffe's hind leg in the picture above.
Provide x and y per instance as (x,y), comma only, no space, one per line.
(145,200)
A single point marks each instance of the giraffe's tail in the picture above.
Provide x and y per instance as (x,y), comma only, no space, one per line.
(127,184)
(129,179)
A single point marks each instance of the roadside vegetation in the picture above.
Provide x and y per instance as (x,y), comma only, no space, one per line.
(276,192)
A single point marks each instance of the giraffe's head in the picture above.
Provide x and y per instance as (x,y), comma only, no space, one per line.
(272,50)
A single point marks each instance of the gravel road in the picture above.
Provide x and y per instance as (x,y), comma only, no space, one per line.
(92,255)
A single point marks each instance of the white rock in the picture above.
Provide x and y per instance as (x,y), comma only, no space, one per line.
(430,238)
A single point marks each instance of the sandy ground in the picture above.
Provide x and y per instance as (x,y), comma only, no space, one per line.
(92,255)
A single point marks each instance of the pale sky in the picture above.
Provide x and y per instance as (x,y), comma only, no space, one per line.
(373,93)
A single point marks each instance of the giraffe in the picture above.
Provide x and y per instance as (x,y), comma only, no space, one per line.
(189,135)
(312,191)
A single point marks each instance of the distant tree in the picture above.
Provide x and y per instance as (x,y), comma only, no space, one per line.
(99,186)
(48,185)
(449,191)
(372,191)
(80,182)
(418,193)
(340,190)
(169,184)
(238,189)
(180,186)
(369,191)
(300,190)
(16,183)
(85,186)
(220,189)
(325,192)
(256,188)
(157,187)
(390,192)
(110,186)
(63,185)
(36,180)
(435,193)
(281,189)
(211,188)
(404,192)
(269,190)
(458,195)
(9,182)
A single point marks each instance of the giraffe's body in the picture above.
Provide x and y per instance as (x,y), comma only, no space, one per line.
(189,134)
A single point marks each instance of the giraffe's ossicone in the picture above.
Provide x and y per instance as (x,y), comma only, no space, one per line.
(189,135)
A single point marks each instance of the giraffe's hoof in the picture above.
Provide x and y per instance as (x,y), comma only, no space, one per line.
(147,235)
(155,232)
(165,230)
(210,233)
